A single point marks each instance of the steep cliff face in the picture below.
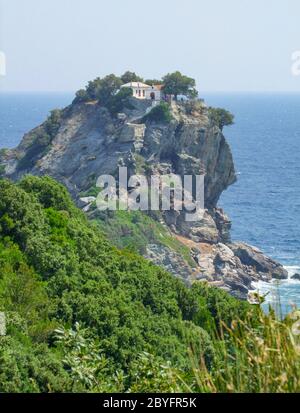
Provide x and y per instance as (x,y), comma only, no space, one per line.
(84,142)
(89,142)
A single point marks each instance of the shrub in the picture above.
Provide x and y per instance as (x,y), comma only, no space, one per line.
(120,101)
(160,113)
(81,96)
(48,193)
(53,123)
(221,117)
(41,141)
(102,89)
(131,77)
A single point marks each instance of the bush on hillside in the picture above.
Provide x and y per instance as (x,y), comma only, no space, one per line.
(221,117)
(41,141)
(160,113)
(57,269)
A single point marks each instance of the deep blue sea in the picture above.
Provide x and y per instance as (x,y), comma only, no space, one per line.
(264,204)
(19,113)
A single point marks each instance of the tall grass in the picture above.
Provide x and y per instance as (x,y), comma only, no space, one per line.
(260,359)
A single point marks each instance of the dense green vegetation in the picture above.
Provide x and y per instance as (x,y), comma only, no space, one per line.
(57,269)
(84,316)
(106,91)
(151,82)
(134,230)
(120,101)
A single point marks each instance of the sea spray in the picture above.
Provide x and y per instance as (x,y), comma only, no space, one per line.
(283,296)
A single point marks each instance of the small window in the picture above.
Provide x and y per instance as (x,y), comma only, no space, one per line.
(144,92)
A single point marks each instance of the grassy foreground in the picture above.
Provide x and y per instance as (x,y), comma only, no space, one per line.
(260,360)
(84,316)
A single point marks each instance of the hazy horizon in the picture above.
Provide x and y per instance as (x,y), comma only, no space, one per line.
(228,47)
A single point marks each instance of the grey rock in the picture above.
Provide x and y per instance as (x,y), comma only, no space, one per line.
(170,260)
(253,257)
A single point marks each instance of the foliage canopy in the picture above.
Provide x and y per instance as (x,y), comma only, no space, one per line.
(57,269)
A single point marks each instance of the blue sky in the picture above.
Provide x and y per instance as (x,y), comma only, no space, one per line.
(232,45)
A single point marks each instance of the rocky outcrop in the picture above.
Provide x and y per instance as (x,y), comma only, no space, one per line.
(171,261)
(220,265)
(253,257)
(89,142)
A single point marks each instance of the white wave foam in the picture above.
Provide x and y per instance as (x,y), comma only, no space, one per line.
(265,288)
(292,270)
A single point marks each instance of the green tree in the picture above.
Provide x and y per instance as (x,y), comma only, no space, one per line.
(221,117)
(131,77)
(178,84)
(48,193)
(103,89)
(53,122)
(120,101)
(160,113)
(93,88)
(153,82)
(109,86)
(81,96)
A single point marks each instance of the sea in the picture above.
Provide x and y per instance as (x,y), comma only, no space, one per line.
(264,204)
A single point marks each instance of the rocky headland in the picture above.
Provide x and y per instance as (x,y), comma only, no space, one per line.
(84,141)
